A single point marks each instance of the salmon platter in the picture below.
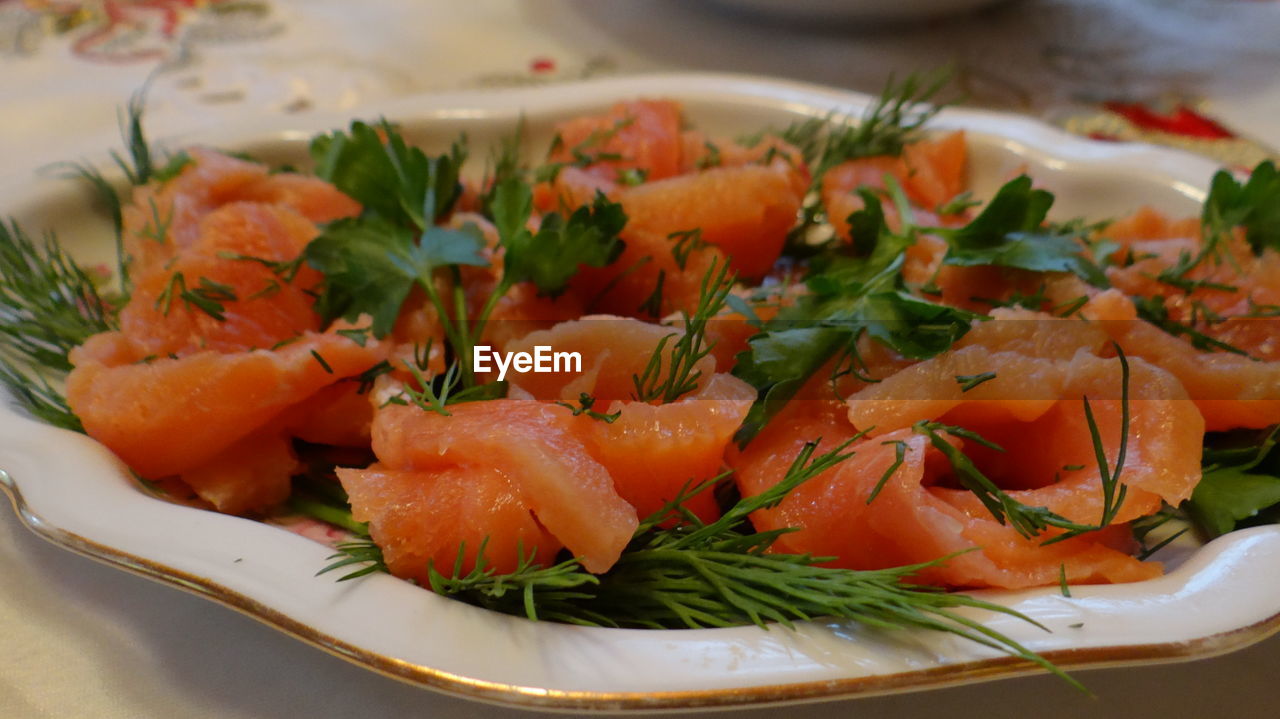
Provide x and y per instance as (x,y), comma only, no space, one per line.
(661,392)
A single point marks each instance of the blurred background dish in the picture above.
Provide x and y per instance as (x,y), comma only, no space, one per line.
(849,11)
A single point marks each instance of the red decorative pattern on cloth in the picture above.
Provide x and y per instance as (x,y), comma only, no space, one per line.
(1181,121)
(121,31)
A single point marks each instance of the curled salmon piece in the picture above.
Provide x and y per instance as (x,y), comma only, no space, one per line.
(1228,295)
(701,152)
(1032,407)
(912,518)
(535,445)
(635,141)
(164,219)
(425,518)
(229,290)
(1231,391)
(633,135)
(652,451)
(251,475)
(1017,381)
(169,416)
(745,211)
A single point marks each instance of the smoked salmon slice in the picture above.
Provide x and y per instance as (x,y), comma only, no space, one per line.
(534,444)
(745,211)
(637,135)
(1032,407)
(910,519)
(166,416)
(164,219)
(223,293)
(1231,391)
(649,279)
(652,451)
(425,518)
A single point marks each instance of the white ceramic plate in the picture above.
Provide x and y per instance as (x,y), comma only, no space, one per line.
(72,491)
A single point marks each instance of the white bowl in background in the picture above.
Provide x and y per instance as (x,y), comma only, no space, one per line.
(847,11)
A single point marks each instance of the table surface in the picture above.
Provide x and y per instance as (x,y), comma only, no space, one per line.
(81,639)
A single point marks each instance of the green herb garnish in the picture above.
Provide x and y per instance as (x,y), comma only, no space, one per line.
(1237,486)
(1011,232)
(585,404)
(672,373)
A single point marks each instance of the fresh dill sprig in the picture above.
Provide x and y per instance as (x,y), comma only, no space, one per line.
(207,296)
(286,270)
(686,242)
(362,552)
(1028,521)
(585,153)
(969,381)
(585,404)
(1144,527)
(899,456)
(894,120)
(671,373)
(1113,490)
(723,585)
(530,589)
(33,391)
(431,396)
(1153,310)
(434,394)
(137,164)
(365,379)
(504,164)
(48,303)
(110,199)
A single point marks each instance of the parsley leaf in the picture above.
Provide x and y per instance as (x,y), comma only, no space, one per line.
(398,182)
(1254,205)
(1010,232)
(551,256)
(1233,488)
(370,264)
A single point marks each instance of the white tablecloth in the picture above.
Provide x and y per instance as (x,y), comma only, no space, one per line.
(78,639)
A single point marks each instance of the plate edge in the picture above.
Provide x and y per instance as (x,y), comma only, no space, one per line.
(550,699)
